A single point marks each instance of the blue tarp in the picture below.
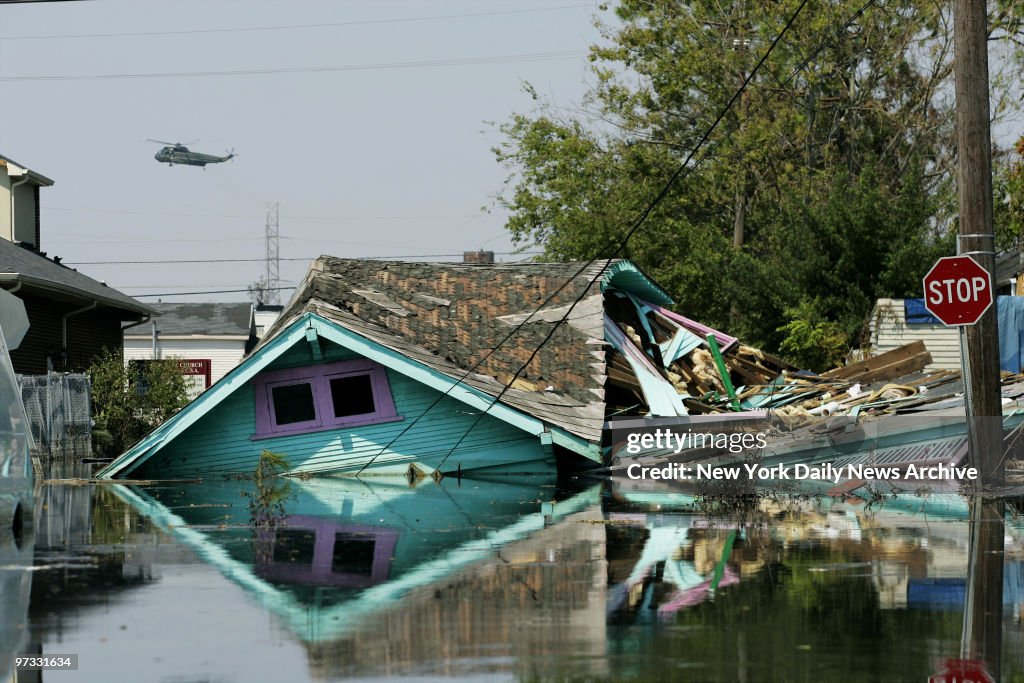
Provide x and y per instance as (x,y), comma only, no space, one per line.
(917,314)
(1011,331)
(1011,327)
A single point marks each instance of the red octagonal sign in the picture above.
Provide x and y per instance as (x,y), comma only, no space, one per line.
(957,290)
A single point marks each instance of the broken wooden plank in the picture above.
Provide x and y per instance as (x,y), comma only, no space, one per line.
(890,365)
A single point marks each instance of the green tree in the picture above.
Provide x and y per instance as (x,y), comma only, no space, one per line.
(131,399)
(834,189)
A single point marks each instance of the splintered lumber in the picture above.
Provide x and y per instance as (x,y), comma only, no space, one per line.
(890,365)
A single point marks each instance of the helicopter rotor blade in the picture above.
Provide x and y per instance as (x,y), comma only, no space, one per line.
(165,142)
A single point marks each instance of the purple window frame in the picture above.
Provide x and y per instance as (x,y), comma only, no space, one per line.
(319,378)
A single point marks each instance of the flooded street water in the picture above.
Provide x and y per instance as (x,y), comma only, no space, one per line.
(509,579)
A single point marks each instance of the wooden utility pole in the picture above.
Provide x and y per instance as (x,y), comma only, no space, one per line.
(982,635)
(974,165)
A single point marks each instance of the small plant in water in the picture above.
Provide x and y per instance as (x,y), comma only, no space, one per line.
(267,503)
(271,490)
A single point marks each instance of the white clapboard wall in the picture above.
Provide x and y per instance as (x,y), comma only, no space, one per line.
(223,354)
(889,330)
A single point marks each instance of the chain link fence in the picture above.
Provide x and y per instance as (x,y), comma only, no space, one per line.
(58,406)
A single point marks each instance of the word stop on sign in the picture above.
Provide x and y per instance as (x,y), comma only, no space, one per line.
(964,290)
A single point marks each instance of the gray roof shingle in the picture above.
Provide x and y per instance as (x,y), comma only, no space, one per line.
(458,318)
(18,264)
(232,319)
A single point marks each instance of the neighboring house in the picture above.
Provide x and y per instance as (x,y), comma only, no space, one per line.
(72,317)
(210,339)
(1009,267)
(19,202)
(365,348)
(896,322)
(266,315)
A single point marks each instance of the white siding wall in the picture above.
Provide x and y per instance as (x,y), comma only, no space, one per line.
(224,354)
(264,319)
(889,330)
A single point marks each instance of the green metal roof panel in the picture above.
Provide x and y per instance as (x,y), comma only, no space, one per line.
(627,277)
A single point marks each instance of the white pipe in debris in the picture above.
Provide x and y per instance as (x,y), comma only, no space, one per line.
(826,410)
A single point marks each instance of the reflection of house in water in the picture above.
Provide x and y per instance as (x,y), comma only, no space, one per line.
(522,604)
(352,569)
(474,577)
(322,552)
(911,548)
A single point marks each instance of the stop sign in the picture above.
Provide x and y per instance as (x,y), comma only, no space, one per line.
(963,671)
(957,290)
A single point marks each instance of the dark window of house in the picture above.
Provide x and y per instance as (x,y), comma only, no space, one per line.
(318,397)
(353,554)
(293,403)
(294,546)
(352,395)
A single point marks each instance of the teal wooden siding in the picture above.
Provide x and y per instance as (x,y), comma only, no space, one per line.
(222,440)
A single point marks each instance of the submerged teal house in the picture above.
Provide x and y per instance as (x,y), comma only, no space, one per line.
(379,367)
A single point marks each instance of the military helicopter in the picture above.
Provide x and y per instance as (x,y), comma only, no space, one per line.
(177,153)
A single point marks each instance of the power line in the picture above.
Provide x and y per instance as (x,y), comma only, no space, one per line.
(286,27)
(249,217)
(685,167)
(261,260)
(193,285)
(209,291)
(636,225)
(420,64)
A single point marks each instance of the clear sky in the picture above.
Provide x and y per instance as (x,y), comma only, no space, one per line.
(385,152)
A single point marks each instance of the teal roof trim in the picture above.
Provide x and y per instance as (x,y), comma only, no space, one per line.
(625,276)
(390,358)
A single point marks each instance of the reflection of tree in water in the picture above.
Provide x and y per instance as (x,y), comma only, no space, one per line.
(90,550)
(267,500)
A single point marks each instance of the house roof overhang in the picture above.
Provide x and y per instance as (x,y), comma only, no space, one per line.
(61,292)
(16,169)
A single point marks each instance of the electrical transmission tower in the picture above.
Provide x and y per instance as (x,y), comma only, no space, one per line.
(273,256)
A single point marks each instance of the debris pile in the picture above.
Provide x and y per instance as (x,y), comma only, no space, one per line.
(663,364)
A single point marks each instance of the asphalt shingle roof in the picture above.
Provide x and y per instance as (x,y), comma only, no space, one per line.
(233,319)
(449,316)
(33,270)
